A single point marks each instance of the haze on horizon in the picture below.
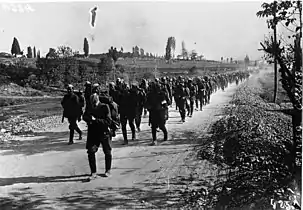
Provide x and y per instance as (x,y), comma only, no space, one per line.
(228,29)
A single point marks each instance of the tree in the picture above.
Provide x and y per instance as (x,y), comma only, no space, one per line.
(38,54)
(169,48)
(271,10)
(29,52)
(86,47)
(173,46)
(246,61)
(193,55)
(64,51)
(113,53)
(184,51)
(15,50)
(142,54)
(35,55)
(136,51)
(289,56)
(52,53)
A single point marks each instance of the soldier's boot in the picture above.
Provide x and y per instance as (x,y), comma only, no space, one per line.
(79,132)
(154,136)
(191,112)
(71,136)
(138,123)
(125,138)
(108,165)
(133,129)
(165,133)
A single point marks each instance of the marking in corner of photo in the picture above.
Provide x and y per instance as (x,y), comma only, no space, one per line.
(18,8)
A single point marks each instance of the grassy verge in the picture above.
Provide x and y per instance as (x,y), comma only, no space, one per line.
(252,144)
(11,101)
(28,118)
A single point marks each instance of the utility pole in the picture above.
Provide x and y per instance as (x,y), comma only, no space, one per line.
(275,53)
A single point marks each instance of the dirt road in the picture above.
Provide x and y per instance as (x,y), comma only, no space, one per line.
(43,172)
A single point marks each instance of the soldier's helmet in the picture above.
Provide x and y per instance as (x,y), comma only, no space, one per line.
(87,83)
(118,80)
(95,88)
(134,85)
(111,85)
(70,88)
(143,81)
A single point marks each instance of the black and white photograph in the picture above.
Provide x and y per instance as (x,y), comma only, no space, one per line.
(151,105)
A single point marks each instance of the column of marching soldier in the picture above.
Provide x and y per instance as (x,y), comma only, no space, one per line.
(106,108)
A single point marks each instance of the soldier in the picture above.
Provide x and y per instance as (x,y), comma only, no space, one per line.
(113,92)
(141,100)
(182,96)
(105,98)
(82,102)
(192,96)
(175,94)
(71,106)
(87,94)
(127,111)
(157,105)
(96,88)
(98,120)
(144,86)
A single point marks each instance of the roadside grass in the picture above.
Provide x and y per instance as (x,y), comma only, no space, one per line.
(34,110)
(27,118)
(13,101)
(12,89)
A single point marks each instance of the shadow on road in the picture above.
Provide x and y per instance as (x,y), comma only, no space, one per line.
(99,198)
(41,179)
(57,141)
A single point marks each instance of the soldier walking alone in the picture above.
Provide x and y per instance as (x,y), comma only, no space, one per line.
(72,106)
(98,120)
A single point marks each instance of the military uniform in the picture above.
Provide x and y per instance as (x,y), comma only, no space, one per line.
(72,106)
(98,120)
(157,105)
(127,110)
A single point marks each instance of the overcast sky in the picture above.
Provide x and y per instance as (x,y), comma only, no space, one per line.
(228,29)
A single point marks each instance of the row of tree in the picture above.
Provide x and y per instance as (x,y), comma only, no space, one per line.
(113,52)
(16,50)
